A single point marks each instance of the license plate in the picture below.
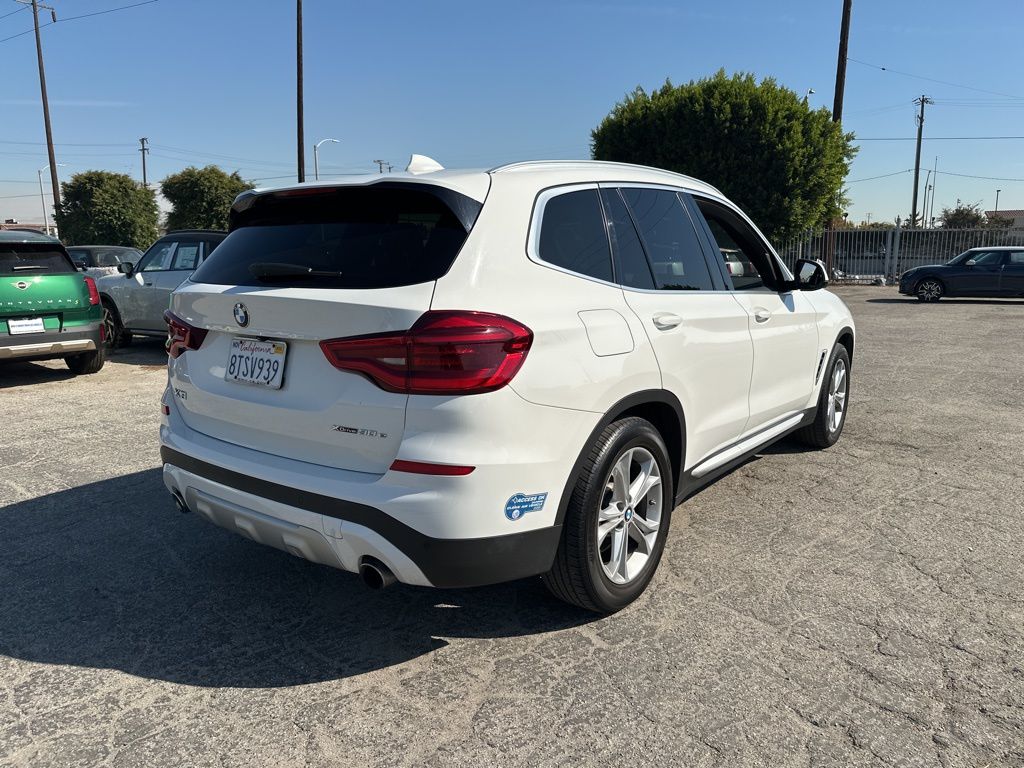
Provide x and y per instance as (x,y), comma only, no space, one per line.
(252,361)
(29,325)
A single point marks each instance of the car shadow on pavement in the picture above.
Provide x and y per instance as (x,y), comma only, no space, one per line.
(23,374)
(913,300)
(110,575)
(142,351)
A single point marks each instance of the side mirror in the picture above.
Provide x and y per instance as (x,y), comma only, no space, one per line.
(970,263)
(810,275)
(126,268)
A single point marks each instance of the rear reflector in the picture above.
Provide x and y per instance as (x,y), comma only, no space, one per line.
(426,468)
(182,335)
(444,353)
(165,409)
(94,295)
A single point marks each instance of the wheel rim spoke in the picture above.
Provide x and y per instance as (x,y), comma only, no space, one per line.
(629,519)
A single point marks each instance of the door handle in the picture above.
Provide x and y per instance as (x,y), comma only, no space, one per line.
(666,321)
(762,315)
(147,283)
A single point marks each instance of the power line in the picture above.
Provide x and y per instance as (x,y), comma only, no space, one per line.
(883,176)
(81,16)
(970,176)
(931,79)
(941,138)
(62,144)
(23,8)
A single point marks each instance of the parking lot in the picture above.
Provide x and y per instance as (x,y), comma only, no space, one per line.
(858,606)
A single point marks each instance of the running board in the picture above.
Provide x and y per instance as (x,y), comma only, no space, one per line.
(746,446)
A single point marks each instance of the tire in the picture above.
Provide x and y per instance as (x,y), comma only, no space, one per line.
(826,428)
(929,290)
(86,362)
(115,334)
(602,519)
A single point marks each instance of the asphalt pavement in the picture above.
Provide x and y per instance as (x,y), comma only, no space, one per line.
(852,607)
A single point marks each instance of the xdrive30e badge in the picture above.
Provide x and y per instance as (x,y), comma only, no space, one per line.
(241,314)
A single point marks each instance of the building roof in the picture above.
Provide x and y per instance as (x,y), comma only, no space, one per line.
(1009,213)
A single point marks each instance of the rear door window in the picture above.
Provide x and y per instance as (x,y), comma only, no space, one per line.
(378,236)
(673,248)
(573,235)
(631,267)
(186,256)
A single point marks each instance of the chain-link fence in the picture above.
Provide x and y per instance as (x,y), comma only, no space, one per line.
(870,254)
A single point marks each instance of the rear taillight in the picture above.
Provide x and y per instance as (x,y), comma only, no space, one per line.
(444,353)
(94,295)
(181,335)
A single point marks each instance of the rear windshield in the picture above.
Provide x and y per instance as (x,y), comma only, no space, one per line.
(381,236)
(33,259)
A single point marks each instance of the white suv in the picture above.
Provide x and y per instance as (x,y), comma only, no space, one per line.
(456,378)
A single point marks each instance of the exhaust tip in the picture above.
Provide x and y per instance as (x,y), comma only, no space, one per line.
(179,502)
(375,574)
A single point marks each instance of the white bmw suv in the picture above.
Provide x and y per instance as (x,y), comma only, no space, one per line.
(457,378)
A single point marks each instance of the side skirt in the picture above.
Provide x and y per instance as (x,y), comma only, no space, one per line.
(689,485)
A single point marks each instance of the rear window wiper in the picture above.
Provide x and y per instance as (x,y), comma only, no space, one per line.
(24,267)
(273,270)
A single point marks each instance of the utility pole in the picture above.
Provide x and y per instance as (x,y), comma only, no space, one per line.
(997,200)
(921,102)
(46,102)
(380,165)
(301,149)
(144,150)
(844,39)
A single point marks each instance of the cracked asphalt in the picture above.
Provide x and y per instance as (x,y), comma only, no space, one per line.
(859,606)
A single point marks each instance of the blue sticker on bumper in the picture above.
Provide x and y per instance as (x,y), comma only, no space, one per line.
(521,503)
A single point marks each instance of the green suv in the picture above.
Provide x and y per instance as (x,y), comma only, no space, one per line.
(48,309)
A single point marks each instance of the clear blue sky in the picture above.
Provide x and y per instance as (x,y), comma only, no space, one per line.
(478,83)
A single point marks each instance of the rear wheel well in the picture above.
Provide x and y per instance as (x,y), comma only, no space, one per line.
(666,420)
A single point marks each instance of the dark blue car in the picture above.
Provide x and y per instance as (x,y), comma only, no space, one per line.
(992,271)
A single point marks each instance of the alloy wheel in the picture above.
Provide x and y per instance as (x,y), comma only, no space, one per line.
(630,515)
(109,328)
(929,290)
(837,390)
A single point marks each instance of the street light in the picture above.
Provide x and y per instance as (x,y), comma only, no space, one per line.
(316,160)
(808,94)
(997,201)
(42,198)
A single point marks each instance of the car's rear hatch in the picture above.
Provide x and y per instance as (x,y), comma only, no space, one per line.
(302,266)
(39,288)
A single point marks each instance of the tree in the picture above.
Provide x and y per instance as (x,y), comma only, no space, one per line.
(962,216)
(100,207)
(760,144)
(200,198)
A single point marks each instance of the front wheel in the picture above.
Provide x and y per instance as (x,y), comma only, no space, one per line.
(833,403)
(929,290)
(617,520)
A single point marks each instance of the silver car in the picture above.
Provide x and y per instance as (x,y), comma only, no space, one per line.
(100,260)
(134,300)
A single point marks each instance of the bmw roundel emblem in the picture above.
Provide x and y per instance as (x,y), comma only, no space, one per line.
(241,314)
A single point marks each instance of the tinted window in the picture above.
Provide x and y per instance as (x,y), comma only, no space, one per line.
(744,254)
(78,254)
(1016,258)
(670,240)
(572,234)
(344,237)
(989,259)
(631,267)
(33,259)
(108,257)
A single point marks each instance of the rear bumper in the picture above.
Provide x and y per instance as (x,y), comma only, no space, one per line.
(339,533)
(51,343)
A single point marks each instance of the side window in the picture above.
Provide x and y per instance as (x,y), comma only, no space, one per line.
(78,255)
(744,254)
(1016,259)
(107,258)
(158,258)
(208,246)
(186,257)
(675,254)
(573,236)
(989,259)
(631,267)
